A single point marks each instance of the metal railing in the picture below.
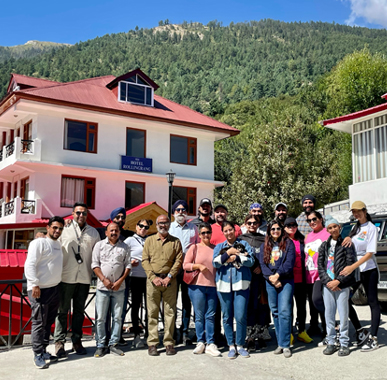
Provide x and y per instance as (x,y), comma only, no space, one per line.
(9,208)
(27,207)
(9,149)
(26,146)
(1,154)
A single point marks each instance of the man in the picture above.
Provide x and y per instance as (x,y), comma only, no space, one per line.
(188,234)
(118,215)
(257,210)
(221,213)
(281,212)
(205,211)
(111,264)
(308,204)
(78,240)
(161,259)
(43,270)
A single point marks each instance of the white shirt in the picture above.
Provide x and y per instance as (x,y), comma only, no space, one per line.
(365,241)
(136,245)
(187,234)
(43,266)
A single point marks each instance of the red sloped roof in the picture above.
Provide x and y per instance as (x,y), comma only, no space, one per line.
(13,257)
(94,95)
(30,81)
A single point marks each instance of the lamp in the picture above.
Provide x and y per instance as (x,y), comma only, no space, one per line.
(170,178)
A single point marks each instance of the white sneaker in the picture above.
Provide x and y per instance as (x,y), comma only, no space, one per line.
(137,342)
(371,344)
(200,347)
(323,343)
(212,350)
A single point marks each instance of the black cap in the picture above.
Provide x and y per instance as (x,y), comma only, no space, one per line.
(223,206)
(290,220)
(204,201)
(309,197)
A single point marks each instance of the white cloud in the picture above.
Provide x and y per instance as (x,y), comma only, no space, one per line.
(373,11)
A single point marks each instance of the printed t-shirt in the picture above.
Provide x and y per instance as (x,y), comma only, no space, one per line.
(365,241)
(331,260)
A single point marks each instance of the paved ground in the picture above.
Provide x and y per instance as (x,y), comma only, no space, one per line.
(307,362)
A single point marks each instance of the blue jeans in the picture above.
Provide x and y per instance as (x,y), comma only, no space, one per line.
(280,302)
(103,300)
(332,301)
(204,300)
(234,304)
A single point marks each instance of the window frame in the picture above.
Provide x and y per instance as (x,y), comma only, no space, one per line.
(144,189)
(86,186)
(136,84)
(145,137)
(194,209)
(188,149)
(88,132)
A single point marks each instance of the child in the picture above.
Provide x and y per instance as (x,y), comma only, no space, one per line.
(332,259)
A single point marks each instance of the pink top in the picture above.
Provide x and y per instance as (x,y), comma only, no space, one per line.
(217,234)
(204,256)
(312,244)
(297,270)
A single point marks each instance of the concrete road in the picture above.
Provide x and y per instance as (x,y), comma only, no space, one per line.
(307,362)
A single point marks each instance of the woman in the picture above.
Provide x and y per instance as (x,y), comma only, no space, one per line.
(277,261)
(258,312)
(203,291)
(291,228)
(232,260)
(364,237)
(313,242)
(138,278)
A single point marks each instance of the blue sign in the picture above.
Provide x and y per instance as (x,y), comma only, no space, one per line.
(136,164)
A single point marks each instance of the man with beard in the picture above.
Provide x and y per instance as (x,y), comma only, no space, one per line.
(162,259)
(205,211)
(118,215)
(281,212)
(188,234)
(257,210)
(221,213)
(308,204)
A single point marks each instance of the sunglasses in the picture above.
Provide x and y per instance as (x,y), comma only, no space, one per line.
(57,228)
(143,226)
(276,229)
(181,210)
(292,225)
(79,213)
(120,217)
(251,223)
(206,233)
(314,220)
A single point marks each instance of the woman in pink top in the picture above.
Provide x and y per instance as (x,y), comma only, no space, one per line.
(313,242)
(203,292)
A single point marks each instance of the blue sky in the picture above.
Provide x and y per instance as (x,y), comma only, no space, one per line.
(72,21)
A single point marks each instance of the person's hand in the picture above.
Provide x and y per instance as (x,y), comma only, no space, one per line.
(203,268)
(332,285)
(347,242)
(135,263)
(232,251)
(257,270)
(274,278)
(347,270)
(166,281)
(277,284)
(35,292)
(157,281)
(116,286)
(107,283)
(68,222)
(231,259)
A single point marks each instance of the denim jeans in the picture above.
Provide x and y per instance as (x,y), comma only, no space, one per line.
(204,300)
(280,302)
(103,300)
(234,304)
(332,301)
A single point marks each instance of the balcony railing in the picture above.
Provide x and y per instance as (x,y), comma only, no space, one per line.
(9,208)
(27,146)
(27,207)
(20,149)
(1,155)
(9,149)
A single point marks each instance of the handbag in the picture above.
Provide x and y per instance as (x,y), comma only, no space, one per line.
(189,277)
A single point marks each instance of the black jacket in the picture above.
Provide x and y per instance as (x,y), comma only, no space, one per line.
(255,240)
(343,258)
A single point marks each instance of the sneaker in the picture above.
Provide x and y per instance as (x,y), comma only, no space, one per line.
(50,358)
(78,348)
(40,362)
(343,351)
(278,350)
(212,350)
(100,352)
(362,336)
(200,347)
(232,354)
(304,337)
(137,342)
(323,343)
(116,351)
(243,353)
(265,334)
(291,340)
(60,350)
(287,352)
(330,349)
(371,344)
(122,342)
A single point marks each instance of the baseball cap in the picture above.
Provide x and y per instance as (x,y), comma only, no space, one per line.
(204,201)
(358,205)
(280,204)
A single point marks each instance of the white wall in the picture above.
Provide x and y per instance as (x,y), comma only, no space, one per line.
(371,192)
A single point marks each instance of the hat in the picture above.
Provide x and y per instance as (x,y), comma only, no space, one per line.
(308,197)
(280,204)
(116,211)
(256,205)
(358,205)
(180,202)
(290,220)
(204,201)
(331,220)
(223,206)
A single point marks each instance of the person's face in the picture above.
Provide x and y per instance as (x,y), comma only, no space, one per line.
(205,235)
(220,215)
(308,206)
(334,230)
(80,215)
(281,213)
(113,232)
(205,209)
(120,220)
(180,214)
(142,228)
(252,225)
(291,229)
(55,230)
(162,225)
(359,214)
(275,231)
(256,211)
(314,222)
(229,233)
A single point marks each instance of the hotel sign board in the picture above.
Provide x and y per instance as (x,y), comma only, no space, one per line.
(136,164)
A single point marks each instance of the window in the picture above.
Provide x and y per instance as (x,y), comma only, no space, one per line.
(188,194)
(183,150)
(81,136)
(135,143)
(136,90)
(134,194)
(75,189)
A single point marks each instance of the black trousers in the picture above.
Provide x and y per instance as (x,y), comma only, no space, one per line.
(300,298)
(138,291)
(44,311)
(316,304)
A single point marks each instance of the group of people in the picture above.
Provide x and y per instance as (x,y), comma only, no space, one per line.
(222,270)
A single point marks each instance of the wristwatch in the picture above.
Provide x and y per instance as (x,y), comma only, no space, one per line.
(170,276)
